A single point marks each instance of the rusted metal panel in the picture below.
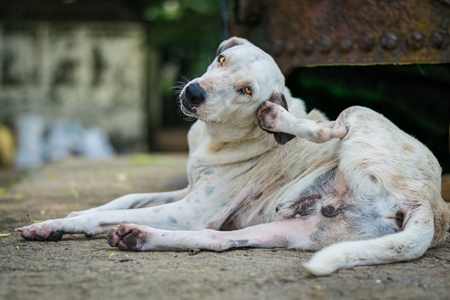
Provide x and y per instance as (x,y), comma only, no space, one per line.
(352,32)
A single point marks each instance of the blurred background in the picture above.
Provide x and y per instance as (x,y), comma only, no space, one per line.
(97,78)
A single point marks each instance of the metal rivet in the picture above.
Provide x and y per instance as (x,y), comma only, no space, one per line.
(277,47)
(308,46)
(292,45)
(439,39)
(389,41)
(345,45)
(326,44)
(415,40)
(366,42)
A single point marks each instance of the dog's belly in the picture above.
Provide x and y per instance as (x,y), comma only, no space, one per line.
(280,197)
(326,204)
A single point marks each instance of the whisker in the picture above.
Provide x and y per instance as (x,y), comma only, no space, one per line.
(184,79)
(178,88)
(180,84)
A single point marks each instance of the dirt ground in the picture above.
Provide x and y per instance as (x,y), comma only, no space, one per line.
(78,268)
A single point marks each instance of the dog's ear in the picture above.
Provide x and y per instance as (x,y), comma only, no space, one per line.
(280,137)
(231,42)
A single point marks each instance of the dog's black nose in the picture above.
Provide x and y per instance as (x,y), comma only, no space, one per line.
(195,94)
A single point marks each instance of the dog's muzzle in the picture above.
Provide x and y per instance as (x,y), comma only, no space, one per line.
(193,96)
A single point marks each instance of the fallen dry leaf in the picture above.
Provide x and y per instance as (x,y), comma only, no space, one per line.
(32,220)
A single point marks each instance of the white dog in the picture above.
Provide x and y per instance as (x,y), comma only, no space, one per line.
(359,186)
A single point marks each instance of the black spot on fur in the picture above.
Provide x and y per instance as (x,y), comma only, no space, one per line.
(329,211)
(257,196)
(169,200)
(209,171)
(399,217)
(172,220)
(306,205)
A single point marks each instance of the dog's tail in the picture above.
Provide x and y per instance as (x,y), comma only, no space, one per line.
(408,244)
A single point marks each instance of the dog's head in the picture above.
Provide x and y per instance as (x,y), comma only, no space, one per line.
(240,78)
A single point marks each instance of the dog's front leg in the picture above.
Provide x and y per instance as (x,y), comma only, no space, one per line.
(136,201)
(274,117)
(170,216)
(191,213)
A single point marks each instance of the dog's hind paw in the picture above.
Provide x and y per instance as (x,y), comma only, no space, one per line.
(267,115)
(319,269)
(266,121)
(332,258)
(322,264)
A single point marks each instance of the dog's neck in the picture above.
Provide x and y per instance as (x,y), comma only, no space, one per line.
(223,133)
(215,143)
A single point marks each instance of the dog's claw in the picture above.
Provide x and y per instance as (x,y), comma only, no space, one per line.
(89,235)
(110,237)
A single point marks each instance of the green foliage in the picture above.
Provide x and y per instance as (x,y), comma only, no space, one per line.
(172,10)
(187,31)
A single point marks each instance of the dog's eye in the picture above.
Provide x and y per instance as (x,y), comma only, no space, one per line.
(221,59)
(247,90)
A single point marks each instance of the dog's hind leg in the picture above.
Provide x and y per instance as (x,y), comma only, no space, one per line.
(408,244)
(275,118)
(411,243)
(269,235)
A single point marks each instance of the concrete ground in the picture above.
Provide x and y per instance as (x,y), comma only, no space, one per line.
(78,268)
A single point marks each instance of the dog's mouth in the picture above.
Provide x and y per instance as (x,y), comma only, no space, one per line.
(186,108)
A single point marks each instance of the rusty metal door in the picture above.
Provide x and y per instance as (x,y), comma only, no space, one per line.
(351,32)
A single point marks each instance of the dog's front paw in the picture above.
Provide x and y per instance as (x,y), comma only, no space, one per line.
(41,232)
